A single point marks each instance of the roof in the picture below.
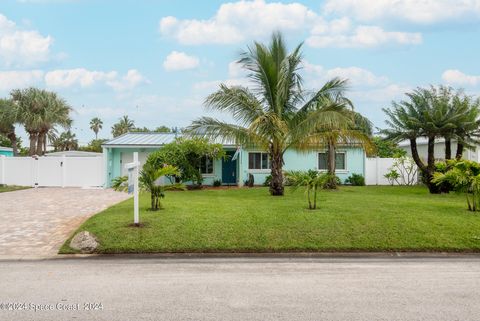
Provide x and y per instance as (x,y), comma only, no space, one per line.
(148,139)
(6,149)
(73,153)
(422,141)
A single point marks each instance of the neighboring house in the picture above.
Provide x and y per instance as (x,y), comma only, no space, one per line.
(235,169)
(6,151)
(422,147)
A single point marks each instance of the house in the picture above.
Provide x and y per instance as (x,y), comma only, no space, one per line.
(422,147)
(6,151)
(235,169)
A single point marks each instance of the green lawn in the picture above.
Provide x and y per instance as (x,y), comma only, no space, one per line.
(249,220)
(11,188)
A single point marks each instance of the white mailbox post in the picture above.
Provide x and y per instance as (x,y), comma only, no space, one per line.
(133,185)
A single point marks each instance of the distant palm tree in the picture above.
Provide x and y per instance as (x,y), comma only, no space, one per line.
(66,141)
(96,124)
(276,114)
(123,126)
(8,119)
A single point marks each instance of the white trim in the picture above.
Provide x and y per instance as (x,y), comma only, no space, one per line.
(258,169)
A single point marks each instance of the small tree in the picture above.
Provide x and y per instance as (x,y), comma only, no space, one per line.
(312,181)
(464,176)
(186,154)
(149,182)
(404,171)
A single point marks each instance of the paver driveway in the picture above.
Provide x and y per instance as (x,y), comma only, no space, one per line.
(35,222)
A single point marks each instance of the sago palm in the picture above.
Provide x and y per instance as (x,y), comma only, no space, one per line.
(275,114)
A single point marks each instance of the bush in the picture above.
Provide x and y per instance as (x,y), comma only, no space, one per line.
(120,183)
(355,180)
(250,181)
(268,179)
(217,183)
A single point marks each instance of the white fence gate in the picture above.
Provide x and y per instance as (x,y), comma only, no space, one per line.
(52,171)
(375,170)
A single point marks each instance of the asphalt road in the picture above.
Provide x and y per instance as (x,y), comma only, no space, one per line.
(241,289)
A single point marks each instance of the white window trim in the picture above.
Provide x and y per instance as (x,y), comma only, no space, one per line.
(257,170)
(212,174)
(345,170)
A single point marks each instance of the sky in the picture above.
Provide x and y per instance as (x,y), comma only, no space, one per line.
(156,61)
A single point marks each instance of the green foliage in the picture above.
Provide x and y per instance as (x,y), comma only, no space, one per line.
(267,181)
(123,126)
(186,154)
(386,148)
(217,183)
(464,176)
(66,141)
(96,124)
(149,182)
(120,183)
(356,180)
(95,146)
(312,180)
(392,176)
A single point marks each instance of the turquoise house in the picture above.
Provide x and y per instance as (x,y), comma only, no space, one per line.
(6,151)
(236,168)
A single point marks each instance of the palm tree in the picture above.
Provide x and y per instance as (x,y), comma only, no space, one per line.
(40,111)
(276,114)
(123,126)
(312,181)
(148,180)
(8,119)
(66,141)
(467,124)
(96,124)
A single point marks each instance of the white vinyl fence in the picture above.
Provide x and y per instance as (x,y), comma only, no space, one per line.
(52,171)
(376,168)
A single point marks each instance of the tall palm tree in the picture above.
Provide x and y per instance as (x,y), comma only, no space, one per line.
(123,126)
(39,112)
(96,124)
(275,114)
(467,124)
(66,141)
(8,119)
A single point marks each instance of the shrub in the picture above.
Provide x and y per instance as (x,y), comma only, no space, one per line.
(392,177)
(355,180)
(268,179)
(312,180)
(217,183)
(120,183)
(250,181)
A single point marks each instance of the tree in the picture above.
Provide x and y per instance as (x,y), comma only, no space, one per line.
(276,114)
(96,124)
(123,126)
(66,141)
(8,118)
(410,119)
(95,146)
(149,181)
(312,181)
(163,129)
(386,148)
(187,155)
(40,111)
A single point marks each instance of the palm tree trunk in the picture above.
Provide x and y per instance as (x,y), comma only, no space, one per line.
(13,139)
(331,151)
(415,156)
(432,187)
(459,153)
(33,142)
(448,148)
(276,184)
(41,137)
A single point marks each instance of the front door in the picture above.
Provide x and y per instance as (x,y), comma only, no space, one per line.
(229,169)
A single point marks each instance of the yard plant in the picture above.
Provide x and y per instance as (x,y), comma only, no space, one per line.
(311,180)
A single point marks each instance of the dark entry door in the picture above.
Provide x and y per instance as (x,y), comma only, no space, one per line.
(229,169)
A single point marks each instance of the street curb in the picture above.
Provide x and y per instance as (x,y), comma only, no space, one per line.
(246,255)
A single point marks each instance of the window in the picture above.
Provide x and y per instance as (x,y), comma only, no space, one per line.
(206,165)
(340,163)
(258,161)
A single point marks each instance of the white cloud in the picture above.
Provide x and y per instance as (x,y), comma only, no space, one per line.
(237,21)
(415,11)
(86,78)
(180,61)
(19,79)
(456,77)
(22,47)
(341,33)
